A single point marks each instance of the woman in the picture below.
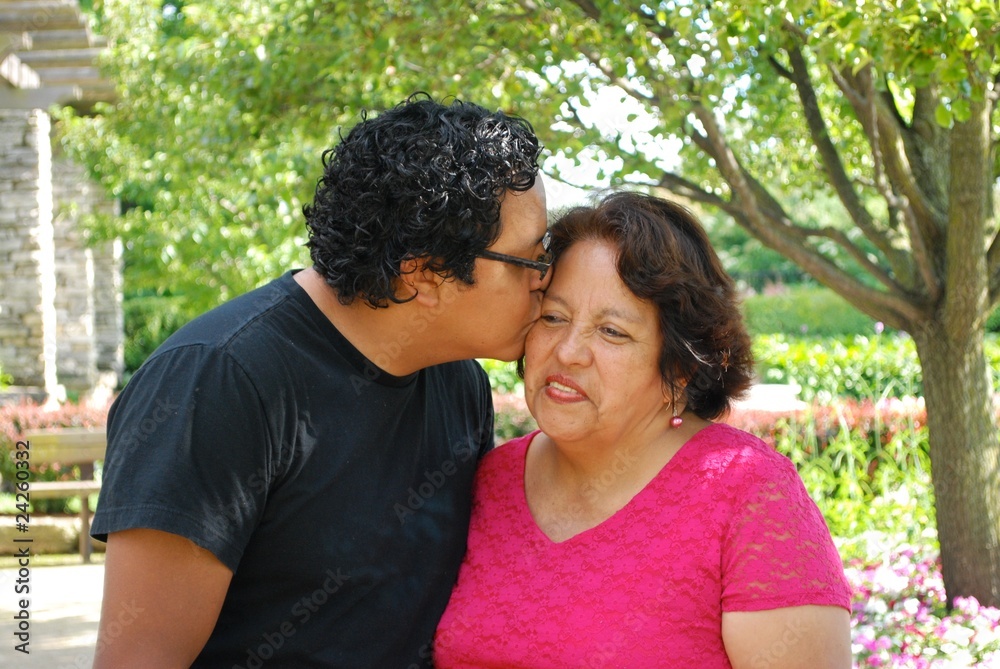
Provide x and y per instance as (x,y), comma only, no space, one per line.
(631,531)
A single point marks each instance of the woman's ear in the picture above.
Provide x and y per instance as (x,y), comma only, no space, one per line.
(676,395)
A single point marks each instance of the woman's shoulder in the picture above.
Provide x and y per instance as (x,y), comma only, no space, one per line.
(723,447)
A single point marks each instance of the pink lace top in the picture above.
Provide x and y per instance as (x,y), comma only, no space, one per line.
(726,525)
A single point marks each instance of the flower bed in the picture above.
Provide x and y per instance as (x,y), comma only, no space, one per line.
(900,619)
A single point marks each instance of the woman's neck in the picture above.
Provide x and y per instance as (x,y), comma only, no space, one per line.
(571,487)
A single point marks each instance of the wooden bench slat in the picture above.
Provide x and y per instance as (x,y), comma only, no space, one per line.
(57,489)
(68,446)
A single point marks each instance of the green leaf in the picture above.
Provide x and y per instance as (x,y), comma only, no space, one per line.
(942,114)
(960,109)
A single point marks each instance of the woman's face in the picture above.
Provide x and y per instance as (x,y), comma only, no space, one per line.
(591,366)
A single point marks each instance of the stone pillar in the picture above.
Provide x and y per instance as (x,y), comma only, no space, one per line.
(89,286)
(76,355)
(27,254)
(109,318)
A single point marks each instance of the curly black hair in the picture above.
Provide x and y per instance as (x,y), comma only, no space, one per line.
(420,180)
(665,257)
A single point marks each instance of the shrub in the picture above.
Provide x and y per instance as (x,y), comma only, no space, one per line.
(149,320)
(503,376)
(511,417)
(15,419)
(993,322)
(851,455)
(804,309)
(876,366)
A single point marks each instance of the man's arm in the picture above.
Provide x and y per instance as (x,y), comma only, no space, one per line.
(162,597)
(797,637)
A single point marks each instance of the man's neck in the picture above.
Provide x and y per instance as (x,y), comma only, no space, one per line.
(386,336)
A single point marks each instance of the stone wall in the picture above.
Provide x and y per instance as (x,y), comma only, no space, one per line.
(60,298)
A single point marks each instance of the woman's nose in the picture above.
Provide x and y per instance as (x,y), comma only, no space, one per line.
(573,348)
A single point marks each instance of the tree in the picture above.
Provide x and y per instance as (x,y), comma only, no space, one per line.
(889,108)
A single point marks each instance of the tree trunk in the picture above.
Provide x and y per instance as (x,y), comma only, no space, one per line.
(965,460)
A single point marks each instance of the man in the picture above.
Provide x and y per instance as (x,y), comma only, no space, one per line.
(288,477)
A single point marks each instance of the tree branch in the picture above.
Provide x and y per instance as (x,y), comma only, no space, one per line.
(618,81)
(782,71)
(924,234)
(777,232)
(688,189)
(589,8)
(993,261)
(889,102)
(664,33)
(841,239)
(834,167)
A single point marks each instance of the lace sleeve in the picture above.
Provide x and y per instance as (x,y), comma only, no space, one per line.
(778,551)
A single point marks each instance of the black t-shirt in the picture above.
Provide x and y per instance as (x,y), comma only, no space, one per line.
(338,494)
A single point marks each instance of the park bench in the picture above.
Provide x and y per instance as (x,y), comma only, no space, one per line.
(69,446)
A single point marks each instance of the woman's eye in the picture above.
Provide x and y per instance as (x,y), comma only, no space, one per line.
(551,318)
(611,332)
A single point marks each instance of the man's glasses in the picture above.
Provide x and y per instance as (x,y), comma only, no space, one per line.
(543,263)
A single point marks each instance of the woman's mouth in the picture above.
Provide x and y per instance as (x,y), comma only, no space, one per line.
(562,389)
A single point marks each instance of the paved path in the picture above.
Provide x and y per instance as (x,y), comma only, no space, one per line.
(65,606)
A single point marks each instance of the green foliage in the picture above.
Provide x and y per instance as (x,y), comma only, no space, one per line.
(512,418)
(863,462)
(804,309)
(504,378)
(855,367)
(993,322)
(149,320)
(15,419)
(859,367)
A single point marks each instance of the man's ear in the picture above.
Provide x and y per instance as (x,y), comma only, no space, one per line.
(419,283)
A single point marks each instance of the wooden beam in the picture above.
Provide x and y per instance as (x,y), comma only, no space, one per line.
(64,39)
(69,75)
(60,57)
(15,42)
(39,98)
(21,16)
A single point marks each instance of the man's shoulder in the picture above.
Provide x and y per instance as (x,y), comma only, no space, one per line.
(227,324)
